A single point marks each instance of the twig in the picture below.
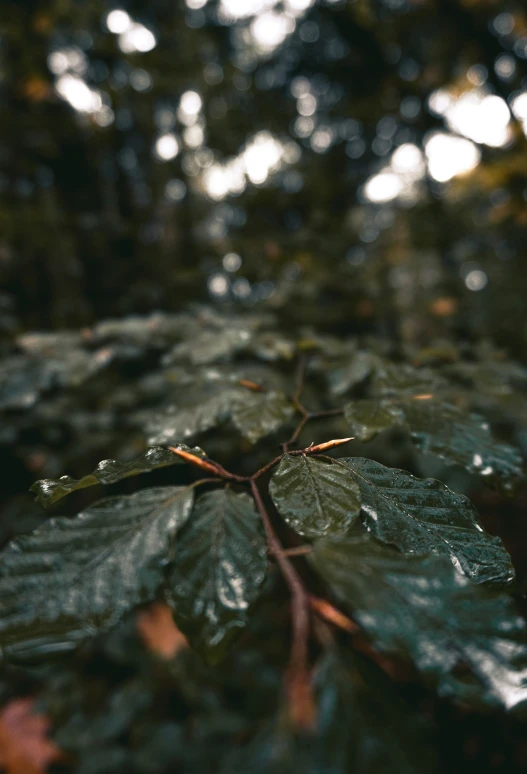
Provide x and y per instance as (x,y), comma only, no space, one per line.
(326,413)
(299,380)
(298,684)
(330,613)
(294,437)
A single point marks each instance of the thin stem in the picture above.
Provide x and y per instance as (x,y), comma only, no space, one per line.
(296,434)
(202,481)
(297,551)
(299,380)
(298,685)
(326,413)
(266,468)
(299,597)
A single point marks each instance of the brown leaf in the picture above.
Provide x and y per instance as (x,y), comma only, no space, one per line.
(159,632)
(24,745)
(328,445)
(210,467)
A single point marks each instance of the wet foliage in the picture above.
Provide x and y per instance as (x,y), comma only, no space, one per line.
(262,342)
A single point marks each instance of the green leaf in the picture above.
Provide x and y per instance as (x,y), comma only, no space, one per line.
(49,491)
(422,608)
(220,565)
(176,424)
(463,439)
(351,372)
(398,379)
(438,428)
(209,346)
(314,496)
(363,723)
(367,418)
(362,726)
(24,377)
(263,413)
(73,577)
(421,516)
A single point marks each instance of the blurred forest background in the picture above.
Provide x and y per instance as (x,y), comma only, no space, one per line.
(359,167)
(359,164)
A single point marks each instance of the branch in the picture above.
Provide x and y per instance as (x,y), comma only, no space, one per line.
(298,687)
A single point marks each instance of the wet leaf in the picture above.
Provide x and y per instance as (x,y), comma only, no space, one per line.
(219,566)
(314,496)
(24,378)
(421,516)
(262,414)
(362,726)
(423,609)
(210,346)
(367,418)
(439,428)
(354,371)
(176,424)
(49,491)
(72,577)
(401,379)
(25,747)
(463,439)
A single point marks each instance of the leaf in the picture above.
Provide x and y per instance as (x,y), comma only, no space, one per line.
(423,609)
(209,346)
(444,430)
(24,744)
(158,631)
(362,726)
(220,564)
(367,418)
(400,379)
(351,373)
(72,577)
(263,413)
(50,491)
(314,496)
(176,424)
(23,378)
(420,516)
(463,439)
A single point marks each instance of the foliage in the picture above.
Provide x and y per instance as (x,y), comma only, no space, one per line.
(380,564)
(192,336)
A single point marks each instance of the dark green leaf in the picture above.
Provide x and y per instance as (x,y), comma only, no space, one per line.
(72,577)
(263,413)
(367,418)
(363,723)
(49,491)
(443,430)
(354,371)
(209,346)
(463,439)
(421,516)
(176,424)
(24,377)
(315,496)
(398,379)
(362,726)
(219,567)
(422,608)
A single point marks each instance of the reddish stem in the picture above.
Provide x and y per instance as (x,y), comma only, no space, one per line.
(298,684)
